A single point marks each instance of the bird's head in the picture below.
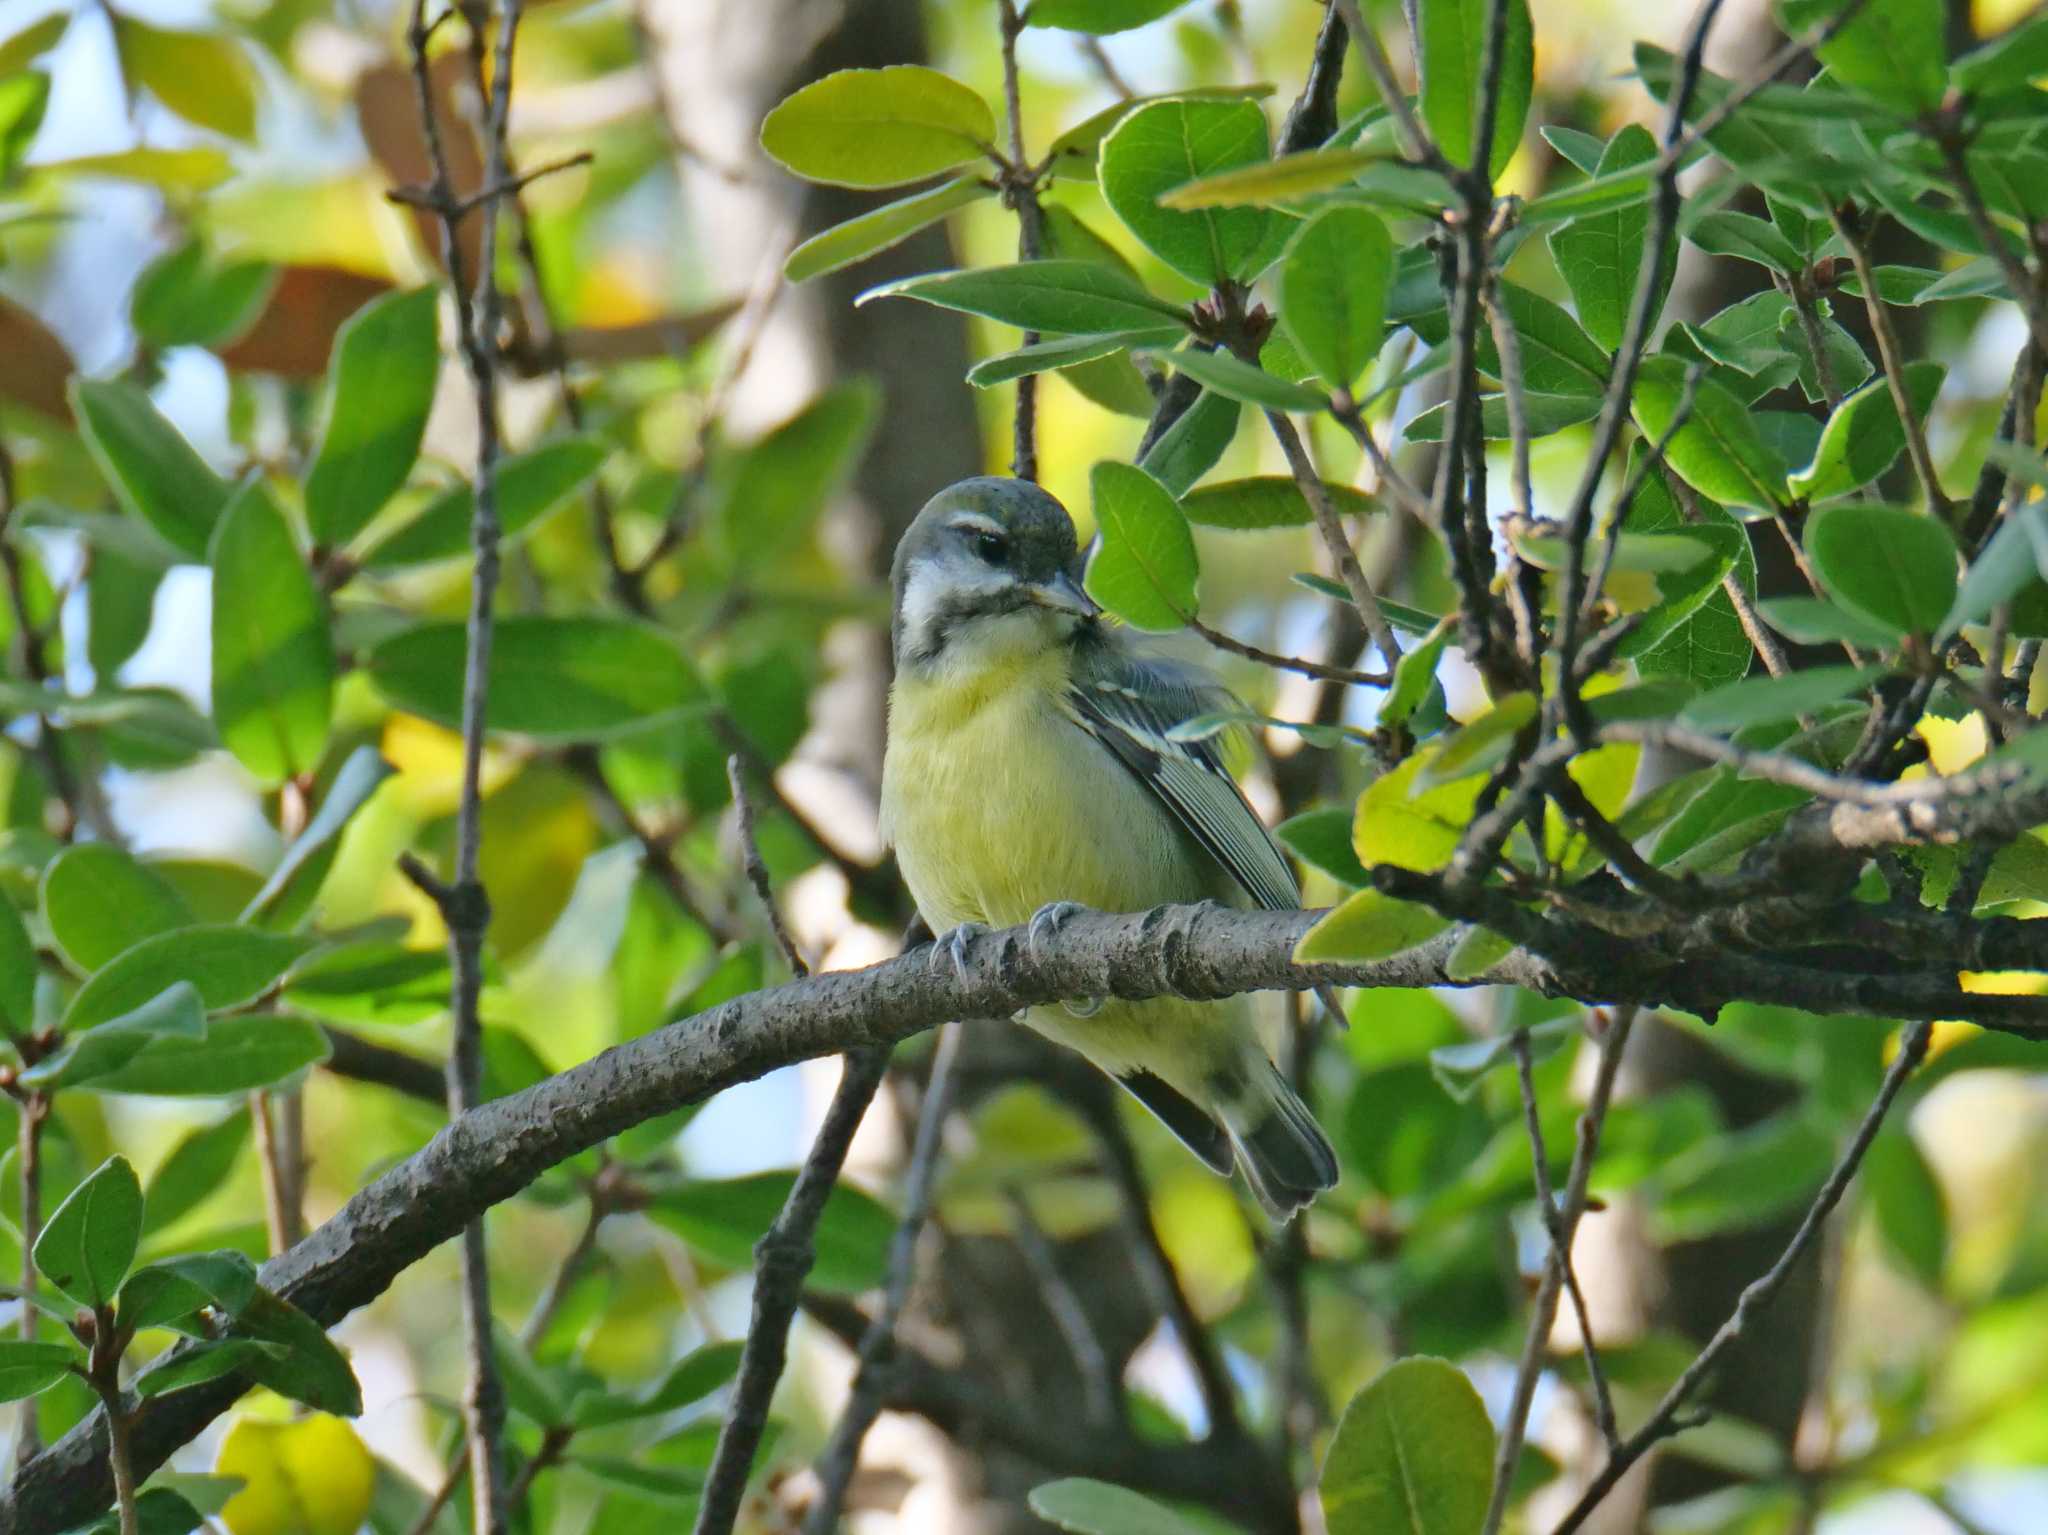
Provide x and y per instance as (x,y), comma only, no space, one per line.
(985,573)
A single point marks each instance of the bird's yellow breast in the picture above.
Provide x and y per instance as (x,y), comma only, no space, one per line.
(997,803)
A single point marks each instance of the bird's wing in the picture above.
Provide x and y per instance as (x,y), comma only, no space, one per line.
(1130,702)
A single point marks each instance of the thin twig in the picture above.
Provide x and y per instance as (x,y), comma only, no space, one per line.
(841,1454)
(1020,195)
(1415,138)
(1561,1223)
(1665,1420)
(1892,356)
(1098,1385)
(1335,539)
(757,867)
(782,1259)
(1614,408)
(2025,291)
(463,903)
(31,1111)
(1319,670)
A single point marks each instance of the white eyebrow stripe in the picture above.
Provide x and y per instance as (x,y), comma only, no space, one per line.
(972,522)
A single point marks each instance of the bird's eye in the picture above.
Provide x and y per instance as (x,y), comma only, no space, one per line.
(992,547)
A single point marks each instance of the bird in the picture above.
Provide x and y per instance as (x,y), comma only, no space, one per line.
(1030,772)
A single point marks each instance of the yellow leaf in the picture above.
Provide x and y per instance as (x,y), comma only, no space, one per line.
(311,1476)
(1952,745)
(1368,926)
(1410,830)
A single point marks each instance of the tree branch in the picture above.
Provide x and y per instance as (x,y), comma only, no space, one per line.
(493,1151)
(1665,1420)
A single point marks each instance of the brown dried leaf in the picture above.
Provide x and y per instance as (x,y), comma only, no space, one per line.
(34,364)
(387,103)
(294,333)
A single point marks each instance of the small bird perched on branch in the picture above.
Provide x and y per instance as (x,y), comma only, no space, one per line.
(1030,774)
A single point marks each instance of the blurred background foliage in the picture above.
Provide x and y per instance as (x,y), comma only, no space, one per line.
(204,286)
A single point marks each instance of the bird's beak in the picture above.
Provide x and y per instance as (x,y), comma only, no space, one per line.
(1063,594)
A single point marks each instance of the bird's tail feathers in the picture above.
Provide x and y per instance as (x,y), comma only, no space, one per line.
(1285,1155)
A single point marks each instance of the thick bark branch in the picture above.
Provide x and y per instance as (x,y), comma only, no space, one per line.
(491,1152)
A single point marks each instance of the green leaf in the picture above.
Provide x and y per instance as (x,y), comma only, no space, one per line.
(879,127)
(167,1291)
(1816,621)
(771,492)
(1747,237)
(1542,415)
(1243,381)
(1063,352)
(90,1239)
(1742,1180)
(2006,63)
(1864,436)
(1322,838)
(311,1369)
(241,1052)
(24,98)
(1756,700)
(873,232)
(1333,292)
(556,679)
(1167,144)
(17,973)
(120,600)
(1101,1508)
(32,42)
(1414,674)
(1413,1453)
(695,1377)
(201,76)
(380,387)
(100,1051)
(358,779)
(188,298)
(1682,593)
(722,1221)
(1266,501)
(1600,254)
(1912,1214)
(197,1166)
(2008,563)
(1368,926)
(1072,154)
(1450,48)
(98,900)
(530,485)
(1277,182)
(208,1361)
(152,470)
(1481,745)
(1893,51)
(29,1368)
(1097,16)
(1582,150)
(273,652)
(1718,451)
(1191,447)
(228,965)
(1145,569)
(1064,297)
(1886,563)
(1558,357)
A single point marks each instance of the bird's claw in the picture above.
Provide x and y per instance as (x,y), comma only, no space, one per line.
(1047,921)
(952,949)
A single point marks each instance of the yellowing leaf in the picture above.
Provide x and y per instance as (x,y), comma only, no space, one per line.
(309,1477)
(1410,830)
(1368,926)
